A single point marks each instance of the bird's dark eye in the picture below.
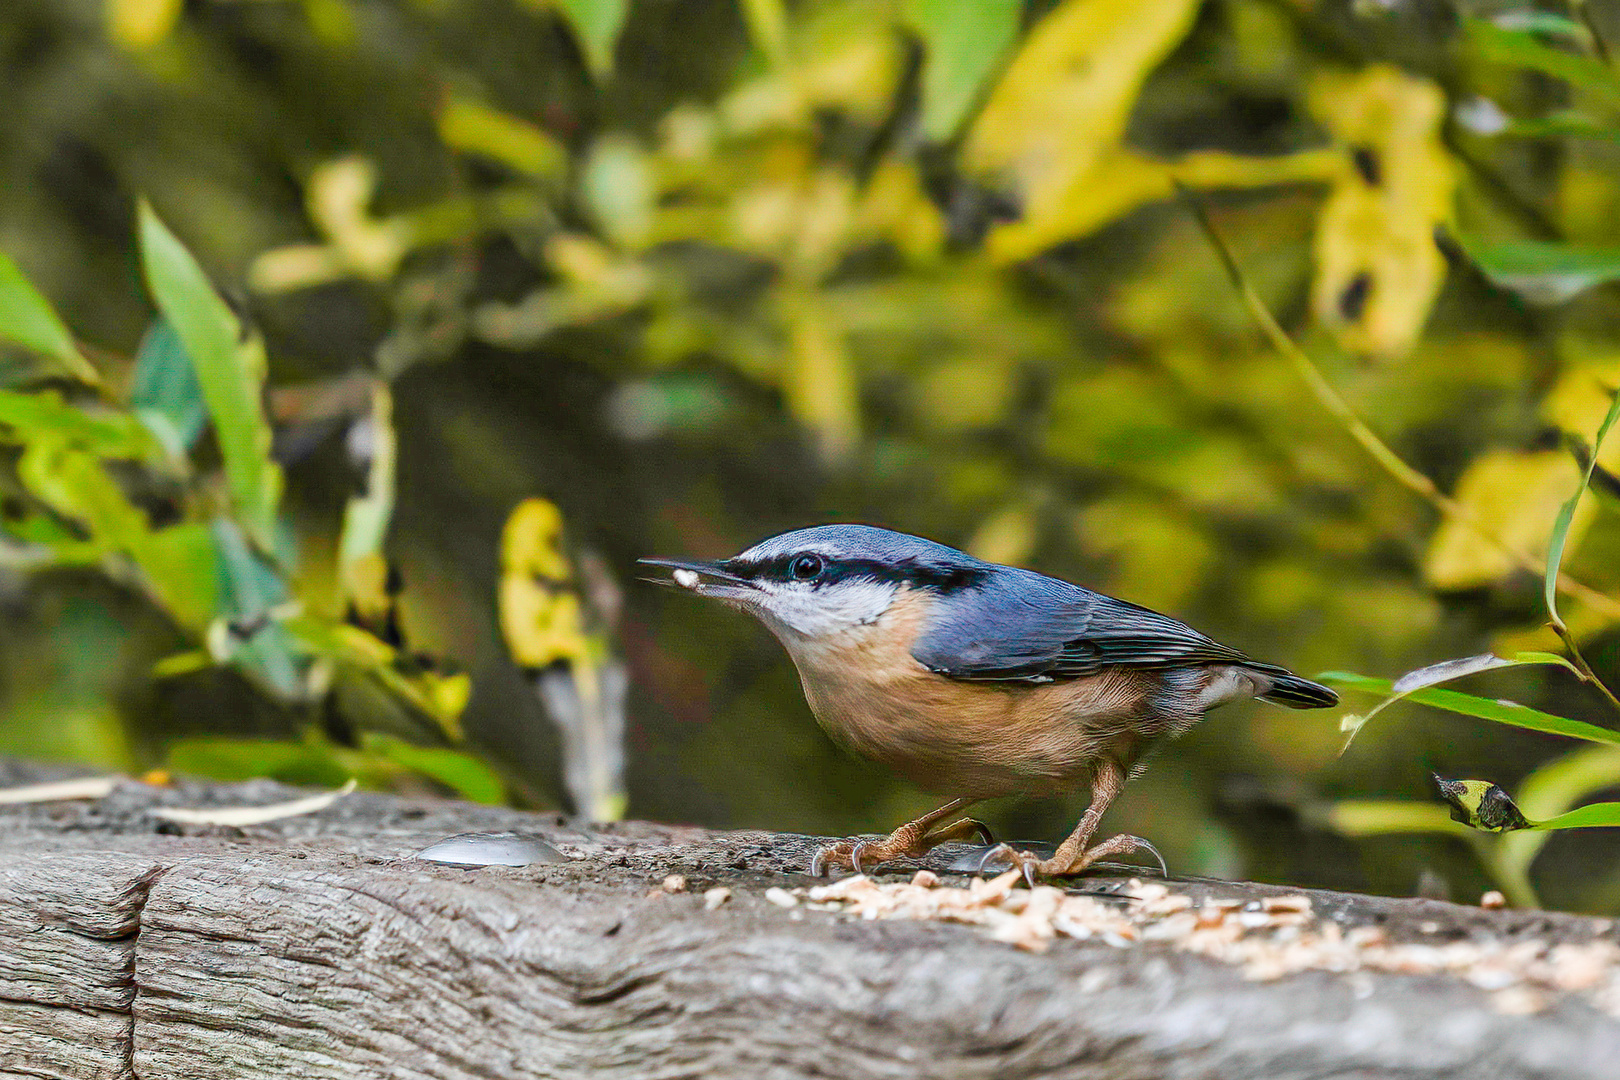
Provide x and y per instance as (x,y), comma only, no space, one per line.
(806,567)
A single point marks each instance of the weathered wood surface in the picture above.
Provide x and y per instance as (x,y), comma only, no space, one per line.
(316,947)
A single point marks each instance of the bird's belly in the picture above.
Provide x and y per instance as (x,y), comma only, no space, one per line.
(971,738)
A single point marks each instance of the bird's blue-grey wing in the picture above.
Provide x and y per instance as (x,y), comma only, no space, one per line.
(1019,625)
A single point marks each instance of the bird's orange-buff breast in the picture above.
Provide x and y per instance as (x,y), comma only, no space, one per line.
(963,738)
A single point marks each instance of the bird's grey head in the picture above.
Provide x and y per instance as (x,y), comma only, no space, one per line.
(811,584)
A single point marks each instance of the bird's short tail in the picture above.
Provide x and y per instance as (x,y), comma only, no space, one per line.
(1297,693)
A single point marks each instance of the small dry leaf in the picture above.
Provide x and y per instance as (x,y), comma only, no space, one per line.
(240,816)
(89,787)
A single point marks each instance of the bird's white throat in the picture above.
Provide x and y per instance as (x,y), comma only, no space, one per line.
(797,610)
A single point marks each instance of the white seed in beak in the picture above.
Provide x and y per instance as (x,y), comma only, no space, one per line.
(686,579)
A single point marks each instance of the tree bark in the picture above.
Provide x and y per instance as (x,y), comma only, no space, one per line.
(317,946)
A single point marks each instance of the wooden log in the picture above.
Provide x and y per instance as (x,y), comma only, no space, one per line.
(317,947)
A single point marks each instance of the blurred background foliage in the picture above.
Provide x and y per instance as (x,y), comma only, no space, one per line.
(698,271)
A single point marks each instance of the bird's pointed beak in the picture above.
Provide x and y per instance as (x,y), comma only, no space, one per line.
(704,578)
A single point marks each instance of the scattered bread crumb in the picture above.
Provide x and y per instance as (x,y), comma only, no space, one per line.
(715,897)
(675,883)
(1493,900)
(1268,939)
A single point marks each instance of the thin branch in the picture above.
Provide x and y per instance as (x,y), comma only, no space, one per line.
(1392,462)
(1585,669)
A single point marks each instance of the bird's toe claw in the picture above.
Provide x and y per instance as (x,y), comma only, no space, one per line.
(1143,845)
(1000,851)
(855,856)
(831,855)
(1023,861)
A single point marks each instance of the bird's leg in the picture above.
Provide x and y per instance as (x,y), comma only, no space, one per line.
(910,840)
(1073,855)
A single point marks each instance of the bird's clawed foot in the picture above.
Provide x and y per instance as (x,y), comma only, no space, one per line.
(1058,865)
(906,842)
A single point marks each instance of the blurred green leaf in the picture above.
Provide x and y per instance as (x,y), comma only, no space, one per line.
(247,632)
(176,563)
(164,391)
(965,44)
(474,128)
(439,696)
(74,483)
(230,369)
(1549,791)
(1544,22)
(596,24)
(1521,48)
(461,772)
(1592,816)
(28,319)
(767,25)
(221,758)
(1566,514)
(43,414)
(1553,125)
(181,567)
(1383,817)
(1542,271)
(1503,712)
(332,21)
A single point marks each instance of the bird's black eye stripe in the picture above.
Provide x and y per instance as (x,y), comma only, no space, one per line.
(821,570)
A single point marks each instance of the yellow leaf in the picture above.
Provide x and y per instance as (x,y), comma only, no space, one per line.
(1066,97)
(819,381)
(1514,496)
(894,206)
(339,197)
(1578,403)
(1378,269)
(140,24)
(541,616)
(1119,180)
(1007,537)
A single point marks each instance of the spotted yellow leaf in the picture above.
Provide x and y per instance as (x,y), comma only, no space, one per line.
(1510,495)
(1378,269)
(1079,72)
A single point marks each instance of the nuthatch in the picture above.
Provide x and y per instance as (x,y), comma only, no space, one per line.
(978,680)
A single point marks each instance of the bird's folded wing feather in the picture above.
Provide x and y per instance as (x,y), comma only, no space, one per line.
(1035,628)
